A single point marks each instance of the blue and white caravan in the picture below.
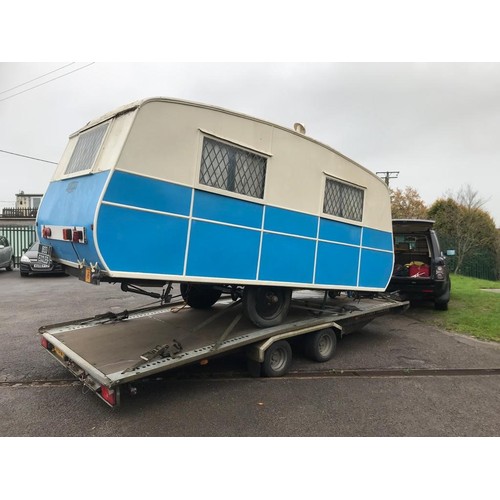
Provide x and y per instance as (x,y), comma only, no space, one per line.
(166,191)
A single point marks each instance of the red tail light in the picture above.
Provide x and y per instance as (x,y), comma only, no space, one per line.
(67,234)
(46,232)
(77,236)
(108,395)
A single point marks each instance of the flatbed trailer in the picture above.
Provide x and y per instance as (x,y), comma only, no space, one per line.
(110,352)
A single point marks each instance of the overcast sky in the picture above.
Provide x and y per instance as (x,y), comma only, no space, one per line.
(437,124)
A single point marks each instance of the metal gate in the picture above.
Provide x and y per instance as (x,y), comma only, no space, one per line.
(20,238)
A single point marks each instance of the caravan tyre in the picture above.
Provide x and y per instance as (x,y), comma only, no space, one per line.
(266,306)
(199,296)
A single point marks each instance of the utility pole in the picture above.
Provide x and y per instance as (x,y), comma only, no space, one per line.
(388,175)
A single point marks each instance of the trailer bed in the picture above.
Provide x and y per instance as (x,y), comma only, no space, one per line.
(107,351)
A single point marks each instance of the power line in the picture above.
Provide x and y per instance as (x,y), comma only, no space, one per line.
(37,78)
(48,81)
(25,156)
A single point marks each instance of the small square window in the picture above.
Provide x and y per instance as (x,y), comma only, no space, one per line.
(233,169)
(343,200)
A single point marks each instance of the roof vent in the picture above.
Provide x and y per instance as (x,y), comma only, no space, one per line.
(298,127)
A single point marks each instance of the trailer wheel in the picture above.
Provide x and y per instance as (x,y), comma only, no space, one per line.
(277,359)
(199,296)
(266,306)
(320,346)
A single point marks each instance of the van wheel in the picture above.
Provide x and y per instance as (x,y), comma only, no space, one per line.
(200,296)
(266,306)
(441,306)
(320,346)
(277,359)
(441,303)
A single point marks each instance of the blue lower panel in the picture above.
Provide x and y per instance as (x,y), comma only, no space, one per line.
(339,232)
(219,251)
(225,209)
(337,264)
(138,191)
(285,258)
(376,268)
(291,222)
(142,242)
(374,238)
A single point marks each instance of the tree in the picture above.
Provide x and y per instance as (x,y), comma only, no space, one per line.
(461,221)
(407,204)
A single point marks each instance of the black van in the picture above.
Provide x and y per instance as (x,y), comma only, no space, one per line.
(420,270)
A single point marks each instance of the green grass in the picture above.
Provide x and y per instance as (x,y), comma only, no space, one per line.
(471,310)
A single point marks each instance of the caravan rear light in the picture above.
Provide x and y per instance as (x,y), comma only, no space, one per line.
(44,342)
(46,232)
(77,236)
(109,395)
(67,234)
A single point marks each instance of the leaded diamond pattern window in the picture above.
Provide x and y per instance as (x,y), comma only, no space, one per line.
(86,149)
(343,200)
(231,168)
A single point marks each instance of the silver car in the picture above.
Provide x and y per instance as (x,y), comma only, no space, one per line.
(6,254)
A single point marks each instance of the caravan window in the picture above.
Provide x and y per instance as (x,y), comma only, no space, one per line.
(343,200)
(86,149)
(227,167)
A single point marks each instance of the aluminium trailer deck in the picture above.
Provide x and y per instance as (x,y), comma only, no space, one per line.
(109,351)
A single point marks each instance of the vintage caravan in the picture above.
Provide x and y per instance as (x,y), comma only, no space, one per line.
(167,191)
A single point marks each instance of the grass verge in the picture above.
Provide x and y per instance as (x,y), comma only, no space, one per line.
(472,310)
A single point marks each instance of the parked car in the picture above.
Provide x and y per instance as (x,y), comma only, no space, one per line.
(420,270)
(6,254)
(31,264)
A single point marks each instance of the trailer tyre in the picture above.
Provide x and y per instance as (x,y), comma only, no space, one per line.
(320,346)
(266,306)
(277,359)
(199,296)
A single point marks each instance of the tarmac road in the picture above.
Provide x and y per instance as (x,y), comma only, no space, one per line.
(375,395)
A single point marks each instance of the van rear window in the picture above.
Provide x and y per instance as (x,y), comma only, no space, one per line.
(86,149)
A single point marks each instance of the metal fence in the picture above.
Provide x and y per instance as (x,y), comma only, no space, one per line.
(479,268)
(20,238)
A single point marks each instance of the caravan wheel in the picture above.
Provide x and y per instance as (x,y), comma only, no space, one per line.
(199,296)
(266,306)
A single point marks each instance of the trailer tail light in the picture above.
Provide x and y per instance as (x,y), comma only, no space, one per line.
(67,234)
(77,236)
(46,232)
(109,395)
(44,342)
